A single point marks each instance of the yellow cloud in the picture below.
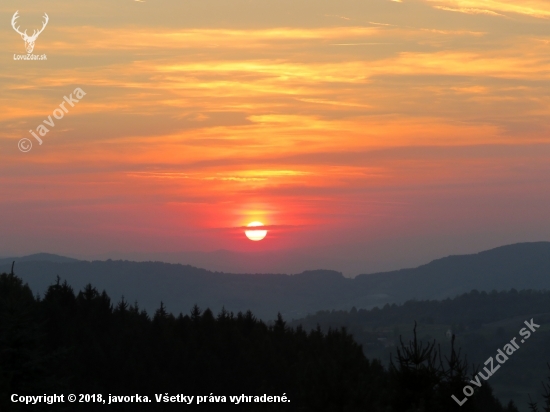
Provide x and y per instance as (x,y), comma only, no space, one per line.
(534,8)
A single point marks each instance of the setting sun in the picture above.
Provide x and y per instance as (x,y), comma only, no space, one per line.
(255,234)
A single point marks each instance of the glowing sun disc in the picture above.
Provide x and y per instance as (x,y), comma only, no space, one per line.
(255,235)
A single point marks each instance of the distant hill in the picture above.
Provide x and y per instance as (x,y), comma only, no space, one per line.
(38,257)
(520,266)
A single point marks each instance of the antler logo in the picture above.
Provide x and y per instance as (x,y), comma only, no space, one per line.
(29,40)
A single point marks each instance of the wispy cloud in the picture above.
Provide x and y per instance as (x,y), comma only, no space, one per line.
(534,8)
(207,117)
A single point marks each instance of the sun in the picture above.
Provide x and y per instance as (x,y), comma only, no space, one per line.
(255,234)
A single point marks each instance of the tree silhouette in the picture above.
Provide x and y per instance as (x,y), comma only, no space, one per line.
(67,343)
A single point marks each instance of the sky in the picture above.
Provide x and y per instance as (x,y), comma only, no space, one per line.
(366,135)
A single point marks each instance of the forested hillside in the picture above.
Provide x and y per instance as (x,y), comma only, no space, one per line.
(482,322)
(82,343)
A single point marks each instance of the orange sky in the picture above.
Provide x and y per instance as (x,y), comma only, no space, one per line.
(386,133)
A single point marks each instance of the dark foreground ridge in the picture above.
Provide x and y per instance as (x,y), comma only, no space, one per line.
(482,323)
(519,266)
(69,343)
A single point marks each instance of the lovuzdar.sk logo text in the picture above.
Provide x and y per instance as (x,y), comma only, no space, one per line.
(29,40)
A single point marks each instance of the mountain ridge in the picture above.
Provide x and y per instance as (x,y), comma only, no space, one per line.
(519,266)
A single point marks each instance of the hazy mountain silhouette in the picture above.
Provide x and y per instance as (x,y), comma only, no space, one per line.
(269,261)
(38,257)
(520,266)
